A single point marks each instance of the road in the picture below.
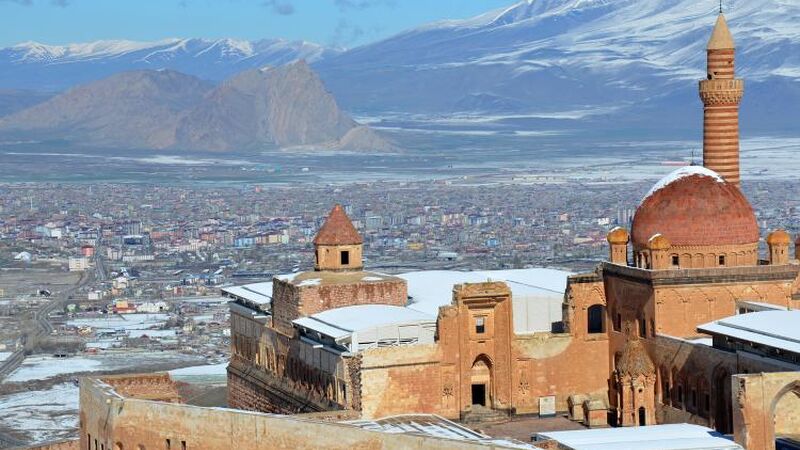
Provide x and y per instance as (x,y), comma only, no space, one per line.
(42,317)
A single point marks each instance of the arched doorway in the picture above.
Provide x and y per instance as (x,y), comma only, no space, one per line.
(784,411)
(722,402)
(481,381)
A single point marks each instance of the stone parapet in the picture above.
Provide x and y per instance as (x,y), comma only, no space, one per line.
(719,275)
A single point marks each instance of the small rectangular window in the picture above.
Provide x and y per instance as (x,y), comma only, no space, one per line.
(722,260)
(676,260)
(480,325)
(183,445)
(345,257)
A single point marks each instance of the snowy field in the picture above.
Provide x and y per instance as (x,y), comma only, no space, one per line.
(52,411)
(125,322)
(4,356)
(216,374)
(45,367)
(45,415)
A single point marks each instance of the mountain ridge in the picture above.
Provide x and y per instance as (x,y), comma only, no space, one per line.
(286,106)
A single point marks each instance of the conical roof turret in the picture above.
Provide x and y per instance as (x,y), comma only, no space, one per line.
(721,37)
(338,230)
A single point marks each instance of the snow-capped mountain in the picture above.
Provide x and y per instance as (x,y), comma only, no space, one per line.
(31,65)
(541,62)
(557,58)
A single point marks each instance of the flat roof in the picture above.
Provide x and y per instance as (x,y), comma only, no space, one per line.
(342,322)
(435,426)
(258,293)
(325,278)
(428,290)
(655,437)
(777,329)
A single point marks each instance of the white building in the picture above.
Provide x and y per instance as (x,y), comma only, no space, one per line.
(78,264)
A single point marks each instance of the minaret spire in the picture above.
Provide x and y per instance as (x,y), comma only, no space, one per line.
(721,93)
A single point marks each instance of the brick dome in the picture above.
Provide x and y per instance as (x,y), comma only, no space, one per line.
(694,206)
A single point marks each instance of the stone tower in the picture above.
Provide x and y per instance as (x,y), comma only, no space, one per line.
(338,246)
(721,94)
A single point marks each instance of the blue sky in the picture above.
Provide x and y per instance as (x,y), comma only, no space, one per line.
(334,22)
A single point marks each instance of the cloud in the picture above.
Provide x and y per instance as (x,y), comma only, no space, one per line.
(280,7)
(346,33)
(345,5)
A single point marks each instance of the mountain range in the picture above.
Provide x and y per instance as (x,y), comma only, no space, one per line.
(163,109)
(36,66)
(595,64)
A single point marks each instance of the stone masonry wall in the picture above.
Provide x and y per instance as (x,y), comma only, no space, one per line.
(117,423)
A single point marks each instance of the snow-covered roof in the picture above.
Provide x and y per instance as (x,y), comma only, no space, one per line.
(655,437)
(258,293)
(681,173)
(342,322)
(432,425)
(777,329)
(430,289)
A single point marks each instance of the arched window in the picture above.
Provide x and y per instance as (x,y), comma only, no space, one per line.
(596,319)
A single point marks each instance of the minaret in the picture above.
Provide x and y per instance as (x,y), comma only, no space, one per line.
(721,94)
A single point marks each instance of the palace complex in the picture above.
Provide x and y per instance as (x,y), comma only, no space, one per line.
(688,322)
(629,345)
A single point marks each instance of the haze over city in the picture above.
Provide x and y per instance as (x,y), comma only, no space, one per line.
(303,224)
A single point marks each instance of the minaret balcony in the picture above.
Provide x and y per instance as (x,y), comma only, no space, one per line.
(721,92)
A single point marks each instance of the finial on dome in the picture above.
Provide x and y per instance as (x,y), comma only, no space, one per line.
(721,37)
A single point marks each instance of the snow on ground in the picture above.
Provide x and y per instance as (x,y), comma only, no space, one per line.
(214,369)
(45,415)
(4,356)
(44,367)
(126,322)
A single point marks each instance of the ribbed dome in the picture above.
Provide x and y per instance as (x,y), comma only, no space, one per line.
(634,360)
(779,237)
(694,206)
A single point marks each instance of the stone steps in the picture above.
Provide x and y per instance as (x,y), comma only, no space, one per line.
(481,415)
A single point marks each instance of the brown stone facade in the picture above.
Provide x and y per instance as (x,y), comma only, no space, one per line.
(339,257)
(314,292)
(157,386)
(692,382)
(112,421)
(766,407)
(476,359)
